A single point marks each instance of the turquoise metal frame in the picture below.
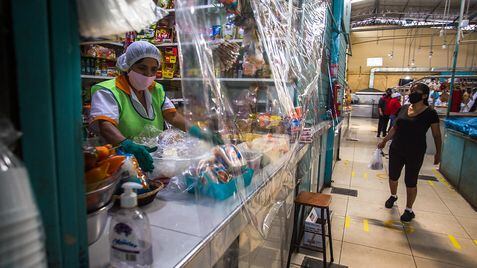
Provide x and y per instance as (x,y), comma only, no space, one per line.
(48,71)
(340,9)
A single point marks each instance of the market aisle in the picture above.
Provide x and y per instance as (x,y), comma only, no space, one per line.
(443,234)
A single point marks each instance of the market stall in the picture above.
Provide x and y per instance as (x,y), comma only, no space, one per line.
(248,74)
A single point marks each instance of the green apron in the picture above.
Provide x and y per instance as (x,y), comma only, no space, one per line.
(131,123)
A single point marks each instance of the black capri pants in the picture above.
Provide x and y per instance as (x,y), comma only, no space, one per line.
(413,162)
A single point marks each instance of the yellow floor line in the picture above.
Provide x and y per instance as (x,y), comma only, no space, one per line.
(475,242)
(430,183)
(353,173)
(346,162)
(365,225)
(365,175)
(454,242)
(442,179)
(347,222)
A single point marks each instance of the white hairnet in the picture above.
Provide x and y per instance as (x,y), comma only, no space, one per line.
(136,51)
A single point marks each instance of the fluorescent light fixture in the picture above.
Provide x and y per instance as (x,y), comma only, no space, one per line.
(374,62)
(356,1)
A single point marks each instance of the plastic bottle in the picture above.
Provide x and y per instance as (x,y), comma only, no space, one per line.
(130,233)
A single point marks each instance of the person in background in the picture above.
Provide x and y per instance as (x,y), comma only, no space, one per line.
(457,95)
(383,115)
(408,145)
(435,96)
(394,106)
(471,103)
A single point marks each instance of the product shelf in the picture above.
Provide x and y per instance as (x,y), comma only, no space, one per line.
(102,42)
(219,41)
(198,7)
(231,80)
(97,77)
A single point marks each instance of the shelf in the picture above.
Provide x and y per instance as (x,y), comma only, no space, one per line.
(167,45)
(229,80)
(218,41)
(198,7)
(97,77)
(232,80)
(250,80)
(102,42)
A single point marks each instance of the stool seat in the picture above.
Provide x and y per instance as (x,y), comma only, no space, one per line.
(316,200)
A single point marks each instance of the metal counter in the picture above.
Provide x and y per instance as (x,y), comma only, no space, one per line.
(195,232)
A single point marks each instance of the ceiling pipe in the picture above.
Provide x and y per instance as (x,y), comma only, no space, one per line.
(397,27)
(373,71)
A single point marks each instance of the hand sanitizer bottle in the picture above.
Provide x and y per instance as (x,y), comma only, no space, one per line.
(130,233)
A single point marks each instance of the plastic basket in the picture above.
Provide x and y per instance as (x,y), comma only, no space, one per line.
(219,191)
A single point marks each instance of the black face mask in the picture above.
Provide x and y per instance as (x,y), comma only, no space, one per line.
(415,97)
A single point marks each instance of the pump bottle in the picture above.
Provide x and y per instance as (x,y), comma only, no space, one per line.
(130,233)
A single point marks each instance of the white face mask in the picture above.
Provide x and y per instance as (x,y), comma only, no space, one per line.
(140,82)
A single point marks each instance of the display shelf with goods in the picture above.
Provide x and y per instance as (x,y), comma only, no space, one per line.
(255,95)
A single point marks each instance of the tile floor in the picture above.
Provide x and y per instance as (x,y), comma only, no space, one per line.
(365,234)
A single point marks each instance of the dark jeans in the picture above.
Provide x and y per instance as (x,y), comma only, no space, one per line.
(383,124)
(393,119)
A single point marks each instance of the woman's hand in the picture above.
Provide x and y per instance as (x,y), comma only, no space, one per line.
(382,144)
(437,158)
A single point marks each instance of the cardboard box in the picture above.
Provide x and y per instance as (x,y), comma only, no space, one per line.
(312,235)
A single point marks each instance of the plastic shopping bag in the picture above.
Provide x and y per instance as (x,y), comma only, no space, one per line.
(376,161)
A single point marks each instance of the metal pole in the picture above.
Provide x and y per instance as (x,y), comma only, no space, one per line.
(456,55)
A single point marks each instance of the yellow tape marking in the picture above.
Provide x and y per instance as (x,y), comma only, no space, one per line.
(383,176)
(475,242)
(442,179)
(346,162)
(347,222)
(409,229)
(353,173)
(454,242)
(365,175)
(388,223)
(430,183)
(365,225)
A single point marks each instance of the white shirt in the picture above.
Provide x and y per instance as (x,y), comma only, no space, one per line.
(465,108)
(105,106)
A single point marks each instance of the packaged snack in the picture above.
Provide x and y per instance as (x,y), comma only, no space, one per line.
(228,31)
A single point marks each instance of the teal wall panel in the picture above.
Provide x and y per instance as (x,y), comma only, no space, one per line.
(468,176)
(31,41)
(66,82)
(48,78)
(452,153)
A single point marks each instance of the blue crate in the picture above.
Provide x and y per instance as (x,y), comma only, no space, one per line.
(220,191)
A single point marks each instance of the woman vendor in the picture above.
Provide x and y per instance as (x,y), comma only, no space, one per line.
(122,107)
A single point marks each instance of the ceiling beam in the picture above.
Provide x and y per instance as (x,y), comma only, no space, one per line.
(405,7)
(434,9)
(376,8)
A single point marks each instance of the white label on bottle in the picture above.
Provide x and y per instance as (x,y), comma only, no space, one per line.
(125,246)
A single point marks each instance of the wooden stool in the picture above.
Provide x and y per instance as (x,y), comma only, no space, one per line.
(314,200)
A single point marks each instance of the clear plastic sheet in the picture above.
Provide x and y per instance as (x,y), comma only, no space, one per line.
(266,118)
(99,18)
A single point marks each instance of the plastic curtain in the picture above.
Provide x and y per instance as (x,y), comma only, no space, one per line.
(109,17)
(264,118)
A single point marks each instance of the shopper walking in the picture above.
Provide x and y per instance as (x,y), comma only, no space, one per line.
(383,114)
(394,106)
(408,145)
